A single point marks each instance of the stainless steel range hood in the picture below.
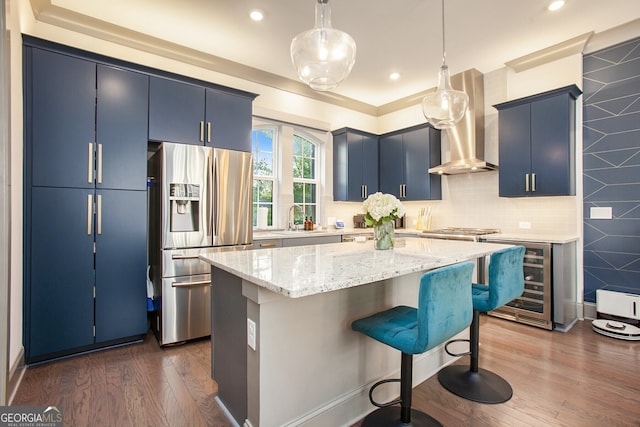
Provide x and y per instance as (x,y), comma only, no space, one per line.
(466,139)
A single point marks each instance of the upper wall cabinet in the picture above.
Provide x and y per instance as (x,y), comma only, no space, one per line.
(355,165)
(405,159)
(191,114)
(88,123)
(537,144)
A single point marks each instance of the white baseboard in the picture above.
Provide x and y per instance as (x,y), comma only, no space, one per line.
(355,405)
(16,373)
(589,310)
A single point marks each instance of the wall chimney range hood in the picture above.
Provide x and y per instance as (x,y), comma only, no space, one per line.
(466,139)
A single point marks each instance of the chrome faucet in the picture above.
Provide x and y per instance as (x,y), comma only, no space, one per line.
(292,218)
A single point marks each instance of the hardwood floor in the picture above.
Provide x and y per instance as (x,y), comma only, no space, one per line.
(569,379)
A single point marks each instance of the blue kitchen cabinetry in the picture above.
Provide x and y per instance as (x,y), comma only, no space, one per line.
(537,144)
(85,204)
(355,165)
(187,113)
(405,159)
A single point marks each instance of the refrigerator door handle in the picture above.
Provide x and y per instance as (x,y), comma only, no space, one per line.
(214,197)
(184,256)
(190,284)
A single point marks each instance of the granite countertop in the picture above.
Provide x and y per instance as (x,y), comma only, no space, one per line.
(308,270)
(542,238)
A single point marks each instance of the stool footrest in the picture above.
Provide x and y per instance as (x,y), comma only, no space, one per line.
(383,405)
(446,348)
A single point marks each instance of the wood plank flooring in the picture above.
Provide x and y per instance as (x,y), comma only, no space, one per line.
(574,379)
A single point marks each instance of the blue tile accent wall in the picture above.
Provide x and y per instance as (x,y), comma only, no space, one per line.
(611,80)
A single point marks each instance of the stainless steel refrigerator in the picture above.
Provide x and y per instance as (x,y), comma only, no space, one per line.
(199,201)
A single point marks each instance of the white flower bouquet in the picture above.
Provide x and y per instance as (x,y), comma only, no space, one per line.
(380,208)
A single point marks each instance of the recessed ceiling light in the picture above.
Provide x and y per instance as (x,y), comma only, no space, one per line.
(555,5)
(394,76)
(256,15)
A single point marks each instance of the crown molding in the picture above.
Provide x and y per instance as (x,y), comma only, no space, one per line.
(552,53)
(46,12)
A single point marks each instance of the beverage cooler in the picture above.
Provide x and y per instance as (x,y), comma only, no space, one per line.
(549,297)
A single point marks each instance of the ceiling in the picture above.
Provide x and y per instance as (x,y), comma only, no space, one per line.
(397,35)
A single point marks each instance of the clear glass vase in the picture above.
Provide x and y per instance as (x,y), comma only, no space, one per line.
(383,235)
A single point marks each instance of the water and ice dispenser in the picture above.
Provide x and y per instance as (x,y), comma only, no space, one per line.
(184,202)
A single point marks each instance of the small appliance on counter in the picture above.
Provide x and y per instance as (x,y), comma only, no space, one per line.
(359,222)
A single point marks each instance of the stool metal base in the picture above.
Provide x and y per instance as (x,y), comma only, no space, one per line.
(390,416)
(482,386)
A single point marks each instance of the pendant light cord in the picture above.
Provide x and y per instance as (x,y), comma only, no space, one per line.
(443,51)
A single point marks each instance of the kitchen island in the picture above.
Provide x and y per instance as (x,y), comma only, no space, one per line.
(283,352)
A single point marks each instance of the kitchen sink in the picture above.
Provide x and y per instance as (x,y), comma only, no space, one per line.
(299,232)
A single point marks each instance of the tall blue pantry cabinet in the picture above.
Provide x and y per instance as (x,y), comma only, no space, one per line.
(85,204)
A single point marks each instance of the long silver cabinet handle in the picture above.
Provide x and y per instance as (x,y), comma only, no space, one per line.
(365,191)
(533,182)
(526,182)
(184,256)
(99,214)
(208,131)
(90,164)
(99,163)
(190,284)
(202,130)
(89,214)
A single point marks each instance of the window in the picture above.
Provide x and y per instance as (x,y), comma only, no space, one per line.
(288,169)
(304,177)
(263,144)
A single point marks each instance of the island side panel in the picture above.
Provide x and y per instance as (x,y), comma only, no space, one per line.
(229,342)
(310,368)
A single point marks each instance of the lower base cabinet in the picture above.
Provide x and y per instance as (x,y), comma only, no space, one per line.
(86,271)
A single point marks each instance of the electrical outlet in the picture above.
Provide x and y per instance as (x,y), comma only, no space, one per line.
(251,334)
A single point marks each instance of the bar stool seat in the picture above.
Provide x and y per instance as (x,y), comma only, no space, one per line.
(444,309)
(506,282)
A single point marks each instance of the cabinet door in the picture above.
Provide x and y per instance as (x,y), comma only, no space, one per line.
(121,293)
(340,167)
(228,120)
(551,147)
(59,307)
(355,167)
(121,129)
(514,150)
(416,164)
(60,103)
(176,111)
(391,164)
(370,164)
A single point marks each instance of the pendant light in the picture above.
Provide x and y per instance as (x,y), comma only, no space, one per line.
(446,106)
(323,56)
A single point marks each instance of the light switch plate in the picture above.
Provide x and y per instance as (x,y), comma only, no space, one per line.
(601,213)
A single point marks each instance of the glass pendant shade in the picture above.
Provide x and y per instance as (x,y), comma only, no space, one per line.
(323,56)
(446,106)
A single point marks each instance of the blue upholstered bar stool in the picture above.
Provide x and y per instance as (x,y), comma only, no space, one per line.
(444,309)
(506,282)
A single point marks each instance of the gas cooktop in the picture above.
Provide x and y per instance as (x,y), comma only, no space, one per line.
(459,233)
